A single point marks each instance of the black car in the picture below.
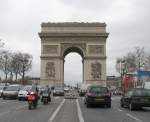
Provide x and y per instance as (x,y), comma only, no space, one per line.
(97,95)
(136,98)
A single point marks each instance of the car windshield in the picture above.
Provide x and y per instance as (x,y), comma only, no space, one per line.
(98,90)
(27,88)
(141,92)
(12,88)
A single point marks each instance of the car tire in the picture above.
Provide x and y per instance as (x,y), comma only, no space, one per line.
(131,107)
(121,105)
(4,98)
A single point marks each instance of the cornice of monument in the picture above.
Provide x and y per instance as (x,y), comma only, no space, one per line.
(73,24)
(73,34)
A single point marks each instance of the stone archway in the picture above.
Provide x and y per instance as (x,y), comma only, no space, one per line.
(87,39)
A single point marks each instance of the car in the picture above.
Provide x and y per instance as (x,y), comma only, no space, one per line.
(58,91)
(24,92)
(136,98)
(66,89)
(11,91)
(2,88)
(97,95)
(71,95)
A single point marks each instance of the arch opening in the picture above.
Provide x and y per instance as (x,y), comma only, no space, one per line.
(73,66)
(75,50)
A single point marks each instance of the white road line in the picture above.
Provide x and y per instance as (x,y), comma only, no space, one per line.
(56,111)
(20,107)
(4,102)
(56,98)
(119,110)
(6,112)
(79,112)
(135,118)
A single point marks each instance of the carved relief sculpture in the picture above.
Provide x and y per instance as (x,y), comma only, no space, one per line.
(50,49)
(50,69)
(96,70)
(95,49)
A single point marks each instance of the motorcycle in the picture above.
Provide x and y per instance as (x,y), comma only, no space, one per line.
(45,97)
(32,101)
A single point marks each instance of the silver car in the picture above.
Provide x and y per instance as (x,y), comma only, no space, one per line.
(11,91)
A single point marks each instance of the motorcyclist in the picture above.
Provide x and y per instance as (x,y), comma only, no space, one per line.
(47,89)
(35,91)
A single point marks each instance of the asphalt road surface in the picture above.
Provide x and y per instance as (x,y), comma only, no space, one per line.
(69,110)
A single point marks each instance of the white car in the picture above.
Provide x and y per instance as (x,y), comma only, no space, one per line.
(24,93)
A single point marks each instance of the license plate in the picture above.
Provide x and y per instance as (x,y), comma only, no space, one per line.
(99,99)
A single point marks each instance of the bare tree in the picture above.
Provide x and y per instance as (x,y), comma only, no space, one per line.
(130,61)
(140,56)
(147,62)
(25,60)
(5,63)
(16,64)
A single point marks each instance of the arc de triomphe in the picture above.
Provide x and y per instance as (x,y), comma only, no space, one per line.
(59,39)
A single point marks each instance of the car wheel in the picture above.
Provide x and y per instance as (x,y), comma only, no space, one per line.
(122,105)
(4,98)
(131,106)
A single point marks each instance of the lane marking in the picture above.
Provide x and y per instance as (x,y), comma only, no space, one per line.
(135,118)
(6,112)
(56,111)
(119,110)
(56,98)
(4,102)
(79,112)
(20,107)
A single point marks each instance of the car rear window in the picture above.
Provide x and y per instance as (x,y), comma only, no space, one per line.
(141,92)
(98,90)
(12,88)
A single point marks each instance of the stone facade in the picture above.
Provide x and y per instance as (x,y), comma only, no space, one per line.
(87,39)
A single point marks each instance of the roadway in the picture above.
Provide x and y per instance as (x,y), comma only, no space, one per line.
(69,110)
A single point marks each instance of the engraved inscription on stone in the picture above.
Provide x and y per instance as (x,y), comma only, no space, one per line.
(50,49)
(96,49)
(96,71)
(50,69)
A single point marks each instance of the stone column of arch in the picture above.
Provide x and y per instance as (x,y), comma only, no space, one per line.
(87,39)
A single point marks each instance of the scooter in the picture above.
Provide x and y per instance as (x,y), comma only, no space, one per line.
(32,101)
(45,97)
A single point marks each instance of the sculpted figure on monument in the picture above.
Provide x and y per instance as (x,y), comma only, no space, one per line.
(50,69)
(96,70)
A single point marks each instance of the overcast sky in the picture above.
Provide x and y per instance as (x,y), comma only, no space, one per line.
(127,22)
